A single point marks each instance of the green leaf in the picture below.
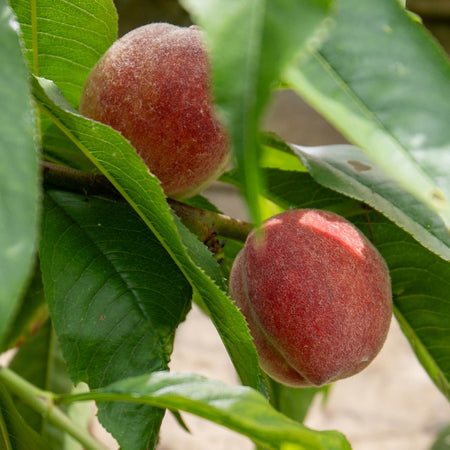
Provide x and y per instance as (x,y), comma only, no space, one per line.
(293,189)
(261,37)
(201,202)
(385,84)
(293,402)
(420,279)
(117,159)
(420,287)
(40,362)
(199,254)
(58,149)
(239,408)
(31,312)
(277,154)
(15,433)
(81,416)
(19,180)
(347,170)
(443,440)
(116,299)
(65,38)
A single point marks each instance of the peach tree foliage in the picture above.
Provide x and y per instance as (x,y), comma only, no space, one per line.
(99,246)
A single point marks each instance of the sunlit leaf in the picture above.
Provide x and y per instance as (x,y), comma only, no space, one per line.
(239,408)
(65,38)
(347,170)
(63,41)
(385,84)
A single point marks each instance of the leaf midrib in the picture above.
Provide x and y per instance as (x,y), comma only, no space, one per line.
(130,289)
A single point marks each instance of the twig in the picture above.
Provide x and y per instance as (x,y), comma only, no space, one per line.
(42,402)
(204,224)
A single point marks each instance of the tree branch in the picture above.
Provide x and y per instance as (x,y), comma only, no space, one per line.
(206,225)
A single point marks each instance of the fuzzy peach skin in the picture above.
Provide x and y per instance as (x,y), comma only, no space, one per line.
(316,295)
(153,85)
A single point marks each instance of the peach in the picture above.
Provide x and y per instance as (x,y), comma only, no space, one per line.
(153,85)
(316,295)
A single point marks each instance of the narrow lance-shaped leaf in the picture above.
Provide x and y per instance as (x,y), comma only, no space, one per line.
(385,84)
(19,180)
(239,408)
(250,43)
(347,170)
(115,157)
(294,189)
(64,39)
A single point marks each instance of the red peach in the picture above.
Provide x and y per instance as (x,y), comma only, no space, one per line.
(316,295)
(153,85)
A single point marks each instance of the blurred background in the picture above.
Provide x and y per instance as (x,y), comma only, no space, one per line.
(392,405)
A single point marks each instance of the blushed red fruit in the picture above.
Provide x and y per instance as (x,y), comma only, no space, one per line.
(316,295)
(153,85)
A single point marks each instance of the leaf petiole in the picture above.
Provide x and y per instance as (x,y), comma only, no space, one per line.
(43,403)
